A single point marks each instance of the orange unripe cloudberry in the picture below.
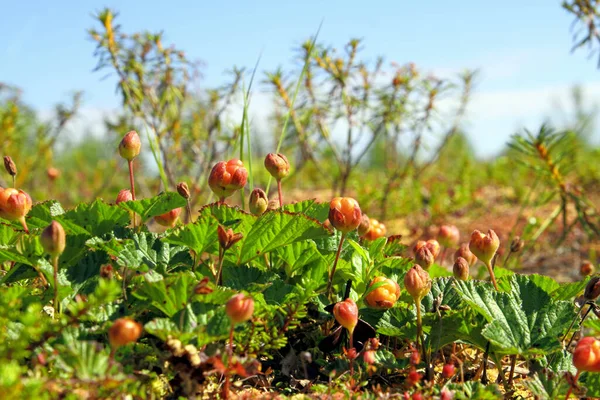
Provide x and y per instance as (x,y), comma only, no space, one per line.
(344,214)
(376,230)
(484,246)
(461,269)
(130,146)
(417,282)
(449,236)
(464,252)
(258,202)
(369,357)
(14,205)
(239,308)
(53,239)
(346,314)
(124,195)
(385,296)
(227,176)
(586,356)
(432,245)
(168,219)
(124,331)
(277,165)
(53,173)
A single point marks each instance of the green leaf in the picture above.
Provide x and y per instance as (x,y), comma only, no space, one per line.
(275,229)
(524,321)
(157,205)
(169,295)
(94,219)
(310,208)
(200,236)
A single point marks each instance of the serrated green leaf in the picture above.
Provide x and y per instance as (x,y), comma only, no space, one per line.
(157,205)
(200,236)
(169,295)
(275,229)
(524,321)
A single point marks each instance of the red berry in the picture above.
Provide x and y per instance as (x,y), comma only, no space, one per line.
(448,371)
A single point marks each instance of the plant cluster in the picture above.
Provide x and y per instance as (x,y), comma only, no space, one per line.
(100,302)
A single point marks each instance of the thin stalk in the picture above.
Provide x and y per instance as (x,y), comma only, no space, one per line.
(159,164)
(511,374)
(298,83)
(124,286)
(55,271)
(111,359)
(219,279)
(131,181)
(337,256)
(492,276)
(420,337)
(14,181)
(571,387)
(280,193)
(189,211)
(229,357)
(351,346)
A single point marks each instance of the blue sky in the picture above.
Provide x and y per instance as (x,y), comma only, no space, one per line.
(522,47)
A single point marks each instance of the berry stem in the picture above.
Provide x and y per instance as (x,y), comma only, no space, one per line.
(130,164)
(351,346)
(492,276)
(229,357)
(55,272)
(280,193)
(14,181)
(219,279)
(420,339)
(571,387)
(189,211)
(24,224)
(337,256)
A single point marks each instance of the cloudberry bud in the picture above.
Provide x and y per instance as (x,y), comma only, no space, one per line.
(183,190)
(53,239)
(484,246)
(344,214)
(376,230)
(52,173)
(365,224)
(592,289)
(168,219)
(130,146)
(586,268)
(227,176)
(449,236)
(369,357)
(586,356)
(461,269)
(124,195)
(415,357)
(10,166)
(239,308)
(385,296)
(424,257)
(517,244)
(227,238)
(346,314)
(417,282)
(14,205)
(448,371)
(464,252)
(432,245)
(258,202)
(124,331)
(417,396)
(277,165)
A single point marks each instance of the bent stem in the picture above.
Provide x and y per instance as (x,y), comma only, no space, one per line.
(55,268)
(24,224)
(280,193)
(337,256)
(492,276)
